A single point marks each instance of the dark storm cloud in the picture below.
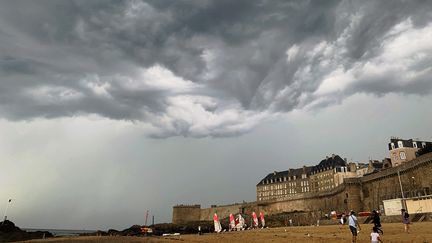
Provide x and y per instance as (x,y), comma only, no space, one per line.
(199,68)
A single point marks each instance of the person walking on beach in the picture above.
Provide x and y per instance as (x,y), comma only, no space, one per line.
(405,220)
(376,221)
(354,226)
(375,237)
(342,220)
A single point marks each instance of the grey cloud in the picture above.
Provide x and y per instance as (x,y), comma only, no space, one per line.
(10,65)
(234,52)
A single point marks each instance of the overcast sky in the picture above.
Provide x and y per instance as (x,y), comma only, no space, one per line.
(112,108)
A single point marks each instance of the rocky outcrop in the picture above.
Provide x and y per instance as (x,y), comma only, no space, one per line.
(9,233)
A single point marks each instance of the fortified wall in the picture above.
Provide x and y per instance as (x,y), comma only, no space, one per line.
(360,194)
(186,213)
(415,177)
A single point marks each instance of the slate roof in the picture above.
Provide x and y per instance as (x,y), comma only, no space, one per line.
(377,165)
(277,176)
(407,143)
(329,162)
(425,150)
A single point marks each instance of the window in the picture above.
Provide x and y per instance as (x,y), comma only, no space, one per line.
(392,146)
(414,144)
(423,144)
(400,144)
(402,155)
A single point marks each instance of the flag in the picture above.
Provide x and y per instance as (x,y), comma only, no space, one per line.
(217,225)
(255,219)
(232,222)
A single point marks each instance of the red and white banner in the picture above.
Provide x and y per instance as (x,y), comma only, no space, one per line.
(232,222)
(262,219)
(217,225)
(255,219)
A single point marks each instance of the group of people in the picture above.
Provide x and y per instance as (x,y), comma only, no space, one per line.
(376,233)
(355,228)
(239,223)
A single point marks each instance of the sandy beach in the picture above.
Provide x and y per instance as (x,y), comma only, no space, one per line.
(393,232)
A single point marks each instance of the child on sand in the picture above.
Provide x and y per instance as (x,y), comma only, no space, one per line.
(405,220)
(375,237)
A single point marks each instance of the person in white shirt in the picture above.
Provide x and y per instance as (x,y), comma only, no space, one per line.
(375,237)
(342,221)
(354,226)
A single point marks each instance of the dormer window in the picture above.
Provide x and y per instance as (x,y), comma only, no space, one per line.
(392,146)
(400,144)
(423,144)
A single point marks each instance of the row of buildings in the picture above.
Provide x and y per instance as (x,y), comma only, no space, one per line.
(331,171)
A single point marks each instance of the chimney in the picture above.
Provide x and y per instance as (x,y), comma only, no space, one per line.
(274,173)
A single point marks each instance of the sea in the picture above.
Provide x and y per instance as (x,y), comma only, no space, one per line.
(62,232)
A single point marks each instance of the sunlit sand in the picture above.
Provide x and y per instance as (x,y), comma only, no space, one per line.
(393,232)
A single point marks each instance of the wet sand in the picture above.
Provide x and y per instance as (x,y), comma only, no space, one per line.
(394,232)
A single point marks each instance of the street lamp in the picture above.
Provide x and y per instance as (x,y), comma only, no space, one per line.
(414,191)
(403,197)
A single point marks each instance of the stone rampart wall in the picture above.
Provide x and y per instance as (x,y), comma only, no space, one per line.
(222,211)
(415,177)
(186,213)
(359,194)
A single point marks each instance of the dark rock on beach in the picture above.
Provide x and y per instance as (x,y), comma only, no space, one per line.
(9,233)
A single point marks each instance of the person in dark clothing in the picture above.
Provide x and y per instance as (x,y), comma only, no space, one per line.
(376,221)
(405,220)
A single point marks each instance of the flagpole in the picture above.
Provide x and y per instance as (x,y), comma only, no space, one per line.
(5,212)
